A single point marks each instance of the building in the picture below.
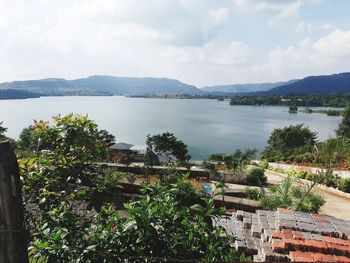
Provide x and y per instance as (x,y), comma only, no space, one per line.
(121,150)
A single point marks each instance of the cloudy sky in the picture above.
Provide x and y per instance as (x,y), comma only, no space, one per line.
(200,42)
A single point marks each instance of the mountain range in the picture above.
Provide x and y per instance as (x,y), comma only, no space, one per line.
(100,85)
(243,88)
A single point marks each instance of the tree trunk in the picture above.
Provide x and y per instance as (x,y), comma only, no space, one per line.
(13,236)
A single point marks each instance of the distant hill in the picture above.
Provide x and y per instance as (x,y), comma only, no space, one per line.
(244,88)
(100,85)
(325,84)
(104,85)
(6,94)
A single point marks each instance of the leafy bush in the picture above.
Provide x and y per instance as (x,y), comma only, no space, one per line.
(299,174)
(159,228)
(344,184)
(68,219)
(288,195)
(256,176)
(252,193)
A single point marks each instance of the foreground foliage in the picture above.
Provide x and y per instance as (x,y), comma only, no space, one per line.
(160,227)
(70,219)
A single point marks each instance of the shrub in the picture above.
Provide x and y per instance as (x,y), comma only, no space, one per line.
(312,203)
(252,193)
(344,184)
(264,164)
(256,176)
(287,195)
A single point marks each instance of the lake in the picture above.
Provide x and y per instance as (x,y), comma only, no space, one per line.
(206,126)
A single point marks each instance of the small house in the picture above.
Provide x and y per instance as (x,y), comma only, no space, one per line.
(136,153)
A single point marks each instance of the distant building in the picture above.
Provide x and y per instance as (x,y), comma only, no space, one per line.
(286,100)
(136,153)
(119,151)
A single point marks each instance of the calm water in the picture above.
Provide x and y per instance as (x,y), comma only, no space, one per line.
(206,126)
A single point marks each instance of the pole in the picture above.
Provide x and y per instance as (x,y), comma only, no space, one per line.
(13,237)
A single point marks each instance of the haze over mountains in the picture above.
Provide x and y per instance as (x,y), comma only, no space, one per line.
(108,85)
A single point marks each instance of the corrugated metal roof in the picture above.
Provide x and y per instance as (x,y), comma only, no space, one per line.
(140,149)
(121,146)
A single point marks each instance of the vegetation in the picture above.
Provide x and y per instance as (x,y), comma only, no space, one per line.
(330,100)
(256,176)
(327,178)
(289,141)
(297,144)
(344,127)
(70,219)
(293,109)
(3,130)
(344,185)
(287,194)
(252,193)
(167,144)
(236,161)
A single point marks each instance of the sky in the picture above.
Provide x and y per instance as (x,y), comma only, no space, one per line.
(199,42)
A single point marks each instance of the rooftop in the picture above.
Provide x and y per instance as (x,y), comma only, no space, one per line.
(121,146)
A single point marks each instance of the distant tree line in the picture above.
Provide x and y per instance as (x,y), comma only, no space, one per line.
(331,100)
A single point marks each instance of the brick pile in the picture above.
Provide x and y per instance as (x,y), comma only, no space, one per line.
(284,235)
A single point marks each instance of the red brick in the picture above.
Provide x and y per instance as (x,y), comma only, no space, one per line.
(317,256)
(287,234)
(328,239)
(317,246)
(277,235)
(321,218)
(284,210)
(298,235)
(278,247)
(342,259)
(298,256)
(340,242)
(292,244)
(337,249)
(329,258)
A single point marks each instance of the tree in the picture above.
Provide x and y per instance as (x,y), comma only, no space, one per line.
(2,131)
(235,161)
(282,142)
(167,144)
(344,127)
(71,135)
(28,140)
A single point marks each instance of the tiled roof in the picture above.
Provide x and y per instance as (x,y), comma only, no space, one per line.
(284,235)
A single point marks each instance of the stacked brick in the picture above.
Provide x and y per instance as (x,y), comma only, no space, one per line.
(284,235)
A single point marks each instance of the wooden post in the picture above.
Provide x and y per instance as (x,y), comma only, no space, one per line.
(13,237)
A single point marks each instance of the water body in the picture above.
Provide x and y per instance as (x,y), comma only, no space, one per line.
(206,126)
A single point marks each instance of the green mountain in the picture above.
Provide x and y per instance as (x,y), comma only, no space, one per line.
(325,84)
(7,94)
(104,85)
(108,85)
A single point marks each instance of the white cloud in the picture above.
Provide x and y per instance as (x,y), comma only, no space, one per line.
(219,16)
(277,9)
(306,28)
(328,54)
(201,42)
